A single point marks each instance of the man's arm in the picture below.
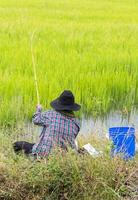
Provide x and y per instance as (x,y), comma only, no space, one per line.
(39,118)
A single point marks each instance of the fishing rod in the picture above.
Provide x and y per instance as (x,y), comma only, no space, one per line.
(34,68)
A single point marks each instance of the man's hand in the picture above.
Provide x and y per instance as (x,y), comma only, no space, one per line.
(39,108)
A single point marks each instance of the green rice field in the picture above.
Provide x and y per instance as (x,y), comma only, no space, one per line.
(87,46)
(91,48)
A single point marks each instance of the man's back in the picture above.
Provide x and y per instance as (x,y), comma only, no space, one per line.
(58,130)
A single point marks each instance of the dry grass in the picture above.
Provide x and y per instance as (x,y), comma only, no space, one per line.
(67,176)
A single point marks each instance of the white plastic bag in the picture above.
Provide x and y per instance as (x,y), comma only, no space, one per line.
(91,150)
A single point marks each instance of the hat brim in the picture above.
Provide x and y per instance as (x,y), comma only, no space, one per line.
(60,107)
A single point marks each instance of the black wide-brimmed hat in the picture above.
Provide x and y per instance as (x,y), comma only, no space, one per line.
(65,101)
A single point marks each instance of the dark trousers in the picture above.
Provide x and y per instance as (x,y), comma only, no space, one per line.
(26,147)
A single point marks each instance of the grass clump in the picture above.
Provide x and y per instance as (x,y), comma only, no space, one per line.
(67,176)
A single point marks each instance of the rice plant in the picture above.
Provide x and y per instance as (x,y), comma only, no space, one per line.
(87,46)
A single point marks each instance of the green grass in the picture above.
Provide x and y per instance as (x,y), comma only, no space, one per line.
(87,46)
(66,176)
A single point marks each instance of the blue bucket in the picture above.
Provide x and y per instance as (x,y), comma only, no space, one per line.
(123,139)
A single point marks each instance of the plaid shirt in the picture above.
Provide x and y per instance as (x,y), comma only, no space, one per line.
(58,130)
